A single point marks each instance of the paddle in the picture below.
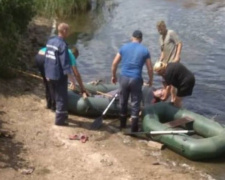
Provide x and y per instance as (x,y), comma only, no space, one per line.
(161,132)
(98,122)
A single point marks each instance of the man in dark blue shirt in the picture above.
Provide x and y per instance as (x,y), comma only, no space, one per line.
(132,56)
(57,67)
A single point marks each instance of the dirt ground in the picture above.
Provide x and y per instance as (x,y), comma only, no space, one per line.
(32,147)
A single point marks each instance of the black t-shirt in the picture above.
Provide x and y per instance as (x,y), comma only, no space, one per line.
(177,75)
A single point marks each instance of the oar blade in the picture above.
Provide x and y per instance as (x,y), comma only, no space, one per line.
(97,123)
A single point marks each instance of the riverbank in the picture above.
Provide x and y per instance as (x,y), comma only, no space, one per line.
(32,147)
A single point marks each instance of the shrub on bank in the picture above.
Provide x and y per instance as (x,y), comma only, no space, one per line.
(14,17)
(61,8)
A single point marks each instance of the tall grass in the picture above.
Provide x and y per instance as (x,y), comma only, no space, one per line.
(61,8)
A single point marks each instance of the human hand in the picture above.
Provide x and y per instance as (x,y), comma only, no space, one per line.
(114,80)
(173,99)
(85,94)
(145,84)
(72,86)
(149,83)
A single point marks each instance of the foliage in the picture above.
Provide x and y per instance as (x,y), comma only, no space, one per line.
(61,8)
(14,17)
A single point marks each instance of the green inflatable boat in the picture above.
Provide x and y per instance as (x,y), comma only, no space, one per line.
(91,106)
(100,87)
(94,105)
(207,142)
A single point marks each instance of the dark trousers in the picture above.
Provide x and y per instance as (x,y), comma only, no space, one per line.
(49,93)
(130,87)
(60,89)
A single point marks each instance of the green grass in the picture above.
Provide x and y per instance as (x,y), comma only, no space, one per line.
(61,8)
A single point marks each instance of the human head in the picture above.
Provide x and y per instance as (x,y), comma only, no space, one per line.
(63,30)
(157,95)
(159,67)
(161,26)
(137,34)
(75,51)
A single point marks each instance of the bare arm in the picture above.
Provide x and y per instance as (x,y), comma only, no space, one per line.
(150,71)
(173,94)
(167,93)
(79,80)
(179,48)
(161,56)
(115,63)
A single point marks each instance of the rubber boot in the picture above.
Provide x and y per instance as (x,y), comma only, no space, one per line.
(123,122)
(134,125)
(53,106)
(61,119)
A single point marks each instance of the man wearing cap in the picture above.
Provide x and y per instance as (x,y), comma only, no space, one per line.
(170,44)
(132,56)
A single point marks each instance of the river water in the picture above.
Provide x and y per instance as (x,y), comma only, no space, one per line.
(200,25)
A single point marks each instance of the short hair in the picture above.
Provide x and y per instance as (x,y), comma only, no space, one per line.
(75,51)
(62,27)
(137,34)
(161,23)
(159,66)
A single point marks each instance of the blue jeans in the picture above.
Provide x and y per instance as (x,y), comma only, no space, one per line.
(130,87)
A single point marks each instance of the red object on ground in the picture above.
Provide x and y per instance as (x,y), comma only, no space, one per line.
(83,138)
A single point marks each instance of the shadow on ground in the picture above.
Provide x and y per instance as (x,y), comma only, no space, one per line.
(10,150)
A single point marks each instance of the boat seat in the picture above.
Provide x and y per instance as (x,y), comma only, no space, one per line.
(179,122)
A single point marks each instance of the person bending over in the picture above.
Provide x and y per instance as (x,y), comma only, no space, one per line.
(49,92)
(73,54)
(179,81)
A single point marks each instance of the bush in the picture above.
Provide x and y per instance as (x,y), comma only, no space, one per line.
(14,17)
(61,8)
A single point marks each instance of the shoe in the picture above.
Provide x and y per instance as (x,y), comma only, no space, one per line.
(53,109)
(123,122)
(48,107)
(129,132)
(65,123)
(134,125)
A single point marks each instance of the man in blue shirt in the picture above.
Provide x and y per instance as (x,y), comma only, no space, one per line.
(57,67)
(132,56)
(49,92)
